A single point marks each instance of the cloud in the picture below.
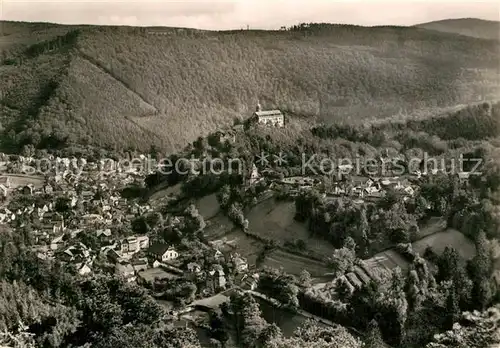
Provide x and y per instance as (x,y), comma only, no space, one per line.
(233,14)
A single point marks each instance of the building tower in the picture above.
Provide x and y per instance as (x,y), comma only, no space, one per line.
(259,107)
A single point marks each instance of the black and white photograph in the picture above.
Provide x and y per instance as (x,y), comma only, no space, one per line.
(249,174)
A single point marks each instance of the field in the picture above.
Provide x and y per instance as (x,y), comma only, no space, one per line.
(218,226)
(122,88)
(451,238)
(270,226)
(294,264)
(273,219)
(208,206)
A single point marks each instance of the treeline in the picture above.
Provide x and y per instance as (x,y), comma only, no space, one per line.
(474,122)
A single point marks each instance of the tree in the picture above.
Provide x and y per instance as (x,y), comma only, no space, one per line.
(140,225)
(312,335)
(452,309)
(481,271)
(342,260)
(374,336)
(235,213)
(62,204)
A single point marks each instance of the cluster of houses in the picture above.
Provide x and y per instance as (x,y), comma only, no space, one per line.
(373,186)
(78,217)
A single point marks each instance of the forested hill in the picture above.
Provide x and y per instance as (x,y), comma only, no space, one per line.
(473,27)
(126,87)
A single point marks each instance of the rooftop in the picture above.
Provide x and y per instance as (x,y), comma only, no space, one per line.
(268,113)
(158,248)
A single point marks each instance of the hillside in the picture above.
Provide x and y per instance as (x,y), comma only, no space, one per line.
(128,88)
(473,27)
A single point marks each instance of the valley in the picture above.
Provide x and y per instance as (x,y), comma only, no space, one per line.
(312,186)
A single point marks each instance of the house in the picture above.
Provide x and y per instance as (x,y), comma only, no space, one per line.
(129,245)
(48,189)
(125,270)
(162,252)
(104,232)
(270,117)
(77,253)
(240,265)
(226,137)
(218,255)
(143,242)
(56,242)
(210,303)
(111,254)
(409,190)
(250,282)
(463,177)
(83,269)
(362,182)
(5,180)
(371,190)
(238,128)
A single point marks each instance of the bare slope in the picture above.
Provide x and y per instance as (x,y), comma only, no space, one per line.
(473,27)
(125,87)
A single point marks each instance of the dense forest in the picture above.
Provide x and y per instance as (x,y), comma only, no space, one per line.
(127,88)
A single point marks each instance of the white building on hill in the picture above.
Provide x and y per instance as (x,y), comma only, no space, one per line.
(269,117)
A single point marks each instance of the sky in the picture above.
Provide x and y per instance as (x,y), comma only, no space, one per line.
(238,14)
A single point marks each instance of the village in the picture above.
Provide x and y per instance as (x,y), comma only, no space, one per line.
(78,217)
